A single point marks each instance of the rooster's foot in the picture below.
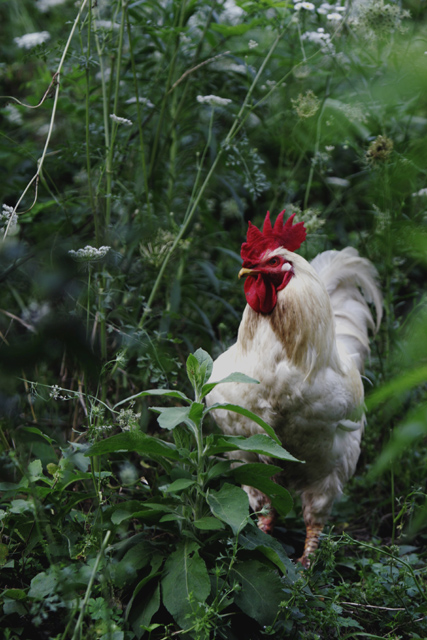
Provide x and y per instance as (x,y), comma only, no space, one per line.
(311,543)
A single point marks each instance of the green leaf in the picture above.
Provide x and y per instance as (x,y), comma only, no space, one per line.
(135,559)
(134,441)
(248,414)
(148,606)
(171,417)
(253,538)
(193,369)
(178,485)
(14,594)
(196,412)
(258,475)
(155,392)
(39,433)
(233,377)
(205,366)
(208,524)
(35,470)
(260,443)
(42,585)
(231,505)
(261,591)
(185,575)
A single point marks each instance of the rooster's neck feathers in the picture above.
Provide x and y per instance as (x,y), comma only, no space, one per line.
(302,322)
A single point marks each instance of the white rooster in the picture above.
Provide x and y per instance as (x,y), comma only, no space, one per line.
(304,337)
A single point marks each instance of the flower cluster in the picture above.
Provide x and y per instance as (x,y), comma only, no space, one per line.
(306,105)
(56,395)
(213,101)
(422,193)
(375,19)
(8,217)
(30,40)
(89,253)
(128,420)
(252,44)
(308,6)
(321,38)
(379,150)
(120,120)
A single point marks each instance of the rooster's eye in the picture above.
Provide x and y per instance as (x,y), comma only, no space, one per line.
(273,262)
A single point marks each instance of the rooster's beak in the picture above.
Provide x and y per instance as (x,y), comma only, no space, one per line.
(245,272)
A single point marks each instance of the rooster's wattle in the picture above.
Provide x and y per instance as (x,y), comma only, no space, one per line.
(304,337)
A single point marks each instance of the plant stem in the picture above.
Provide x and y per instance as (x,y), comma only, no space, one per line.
(77,629)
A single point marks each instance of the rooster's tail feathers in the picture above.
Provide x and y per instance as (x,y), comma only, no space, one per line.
(351,282)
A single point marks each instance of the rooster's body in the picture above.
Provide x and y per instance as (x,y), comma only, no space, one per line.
(304,337)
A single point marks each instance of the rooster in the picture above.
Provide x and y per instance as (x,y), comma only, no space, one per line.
(304,337)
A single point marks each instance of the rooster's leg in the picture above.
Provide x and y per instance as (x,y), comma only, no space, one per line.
(259,501)
(311,542)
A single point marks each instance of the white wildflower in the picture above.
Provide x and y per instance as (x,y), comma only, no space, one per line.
(308,6)
(321,38)
(334,17)
(89,253)
(329,148)
(252,44)
(120,120)
(421,193)
(231,12)
(30,40)
(337,182)
(56,395)
(141,100)
(106,24)
(13,115)
(45,5)
(213,101)
(8,217)
(325,8)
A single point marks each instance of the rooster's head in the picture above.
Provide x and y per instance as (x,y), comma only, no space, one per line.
(266,269)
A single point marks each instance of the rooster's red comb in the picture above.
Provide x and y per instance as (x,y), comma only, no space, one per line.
(288,235)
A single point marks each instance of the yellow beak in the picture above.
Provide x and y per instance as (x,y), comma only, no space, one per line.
(245,272)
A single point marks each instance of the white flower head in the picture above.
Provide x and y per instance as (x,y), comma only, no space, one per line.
(334,17)
(252,44)
(30,40)
(141,100)
(421,193)
(106,24)
(8,217)
(308,6)
(45,5)
(89,253)
(213,101)
(337,182)
(120,120)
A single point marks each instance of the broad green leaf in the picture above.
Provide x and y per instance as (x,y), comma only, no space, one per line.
(185,575)
(258,475)
(208,524)
(35,470)
(171,417)
(146,610)
(205,364)
(42,585)
(260,443)
(4,552)
(253,538)
(233,377)
(135,559)
(248,414)
(155,392)
(231,505)
(261,590)
(134,441)
(178,485)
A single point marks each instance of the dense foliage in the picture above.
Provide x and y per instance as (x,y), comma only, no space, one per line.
(137,140)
